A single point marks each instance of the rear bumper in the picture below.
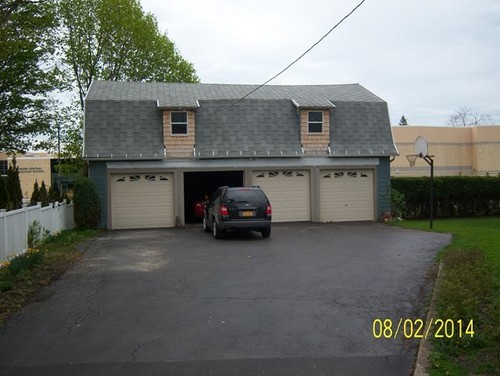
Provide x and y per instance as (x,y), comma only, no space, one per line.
(244,225)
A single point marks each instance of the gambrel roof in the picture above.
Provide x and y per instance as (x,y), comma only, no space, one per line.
(124,119)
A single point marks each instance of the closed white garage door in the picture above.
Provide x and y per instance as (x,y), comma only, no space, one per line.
(346,195)
(142,201)
(288,192)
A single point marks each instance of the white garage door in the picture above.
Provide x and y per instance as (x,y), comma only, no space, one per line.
(346,195)
(288,192)
(142,201)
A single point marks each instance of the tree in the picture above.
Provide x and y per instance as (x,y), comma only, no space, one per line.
(466,117)
(14,192)
(44,194)
(87,209)
(35,196)
(403,121)
(116,40)
(26,73)
(3,193)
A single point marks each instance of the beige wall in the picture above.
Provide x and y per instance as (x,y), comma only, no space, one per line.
(33,166)
(456,151)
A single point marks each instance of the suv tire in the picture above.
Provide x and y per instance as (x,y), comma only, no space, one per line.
(266,232)
(205,226)
(216,231)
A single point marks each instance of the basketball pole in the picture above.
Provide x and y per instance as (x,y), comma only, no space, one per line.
(430,162)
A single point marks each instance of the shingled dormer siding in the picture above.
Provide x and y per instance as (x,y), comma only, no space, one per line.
(314,143)
(178,145)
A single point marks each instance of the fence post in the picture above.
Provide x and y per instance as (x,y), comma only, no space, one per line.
(27,226)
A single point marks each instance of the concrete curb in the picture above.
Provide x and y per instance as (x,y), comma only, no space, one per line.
(424,349)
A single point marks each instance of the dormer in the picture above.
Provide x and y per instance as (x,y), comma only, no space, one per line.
(314,126)
(179,132)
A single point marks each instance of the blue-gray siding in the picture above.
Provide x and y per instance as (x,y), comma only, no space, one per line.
(383,186)
(97,172)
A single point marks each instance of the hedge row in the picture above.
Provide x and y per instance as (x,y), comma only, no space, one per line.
(454,196)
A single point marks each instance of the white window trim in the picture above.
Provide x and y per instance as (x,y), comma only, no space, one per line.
(172,123)
(322,122)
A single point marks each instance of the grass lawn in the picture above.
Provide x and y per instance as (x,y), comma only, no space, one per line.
(468,289)
(468,233)
(37,269)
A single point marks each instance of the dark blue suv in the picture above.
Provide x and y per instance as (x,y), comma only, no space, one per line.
(241,208)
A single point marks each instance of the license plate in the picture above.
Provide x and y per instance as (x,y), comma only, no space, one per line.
(246,214)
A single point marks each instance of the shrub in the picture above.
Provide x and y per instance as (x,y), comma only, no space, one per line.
(35,196)
(13,187)
(3,193)
(87,209)
(398,204)
(454,196)
(36,235)
(44,194)
(25,261)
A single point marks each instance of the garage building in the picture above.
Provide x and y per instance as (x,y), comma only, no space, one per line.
(320,152)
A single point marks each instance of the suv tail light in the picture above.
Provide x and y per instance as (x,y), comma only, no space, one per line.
(223,210)
(269,211)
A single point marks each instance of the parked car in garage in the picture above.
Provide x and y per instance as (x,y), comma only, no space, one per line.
(199,207)
(238,208)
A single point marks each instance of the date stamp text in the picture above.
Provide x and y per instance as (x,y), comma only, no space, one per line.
(419,329)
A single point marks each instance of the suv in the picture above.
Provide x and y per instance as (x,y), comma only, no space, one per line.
(242,208)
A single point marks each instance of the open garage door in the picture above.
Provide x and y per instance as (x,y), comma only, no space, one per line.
(142,201)
(288,192)
(197,185)
(346,195)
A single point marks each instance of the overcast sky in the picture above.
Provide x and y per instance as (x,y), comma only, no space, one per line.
(426,58)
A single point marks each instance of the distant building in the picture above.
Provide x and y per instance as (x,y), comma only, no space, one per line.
(471,151)
(32,166)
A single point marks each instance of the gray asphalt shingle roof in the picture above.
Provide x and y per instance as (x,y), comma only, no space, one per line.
(125,119)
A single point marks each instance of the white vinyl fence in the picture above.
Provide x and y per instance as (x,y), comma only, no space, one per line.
(14,225)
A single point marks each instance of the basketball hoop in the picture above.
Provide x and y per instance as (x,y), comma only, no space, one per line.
(412,159)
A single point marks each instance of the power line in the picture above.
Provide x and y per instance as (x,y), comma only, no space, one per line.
(300,57)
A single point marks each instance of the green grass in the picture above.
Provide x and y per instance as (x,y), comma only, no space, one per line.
(468,289)
(22,277)
(468,233)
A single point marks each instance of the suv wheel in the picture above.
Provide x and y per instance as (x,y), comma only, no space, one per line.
(205,226)
(266,232)
(216,231)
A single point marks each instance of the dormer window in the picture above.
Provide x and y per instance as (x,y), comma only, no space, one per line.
(179,122)
(315,121)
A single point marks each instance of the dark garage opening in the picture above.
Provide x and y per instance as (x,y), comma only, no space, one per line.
(199,184)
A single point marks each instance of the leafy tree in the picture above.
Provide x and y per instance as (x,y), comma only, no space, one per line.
(87,206)
(14,192)
(116,40)
(65,139)
(35,196)
(26,73)
(403,121)
(466,117)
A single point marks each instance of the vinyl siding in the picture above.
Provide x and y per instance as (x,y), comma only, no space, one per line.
(97,173)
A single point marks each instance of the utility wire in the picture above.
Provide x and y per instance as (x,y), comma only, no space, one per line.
(297,59)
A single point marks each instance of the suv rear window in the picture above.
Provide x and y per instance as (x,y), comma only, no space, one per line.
(250,195)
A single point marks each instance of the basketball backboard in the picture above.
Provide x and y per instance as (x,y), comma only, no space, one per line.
(421,146)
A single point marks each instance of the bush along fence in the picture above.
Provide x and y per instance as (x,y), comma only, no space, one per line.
(454,196)
(15,225)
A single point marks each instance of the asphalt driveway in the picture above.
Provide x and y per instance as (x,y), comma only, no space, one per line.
(178,302)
